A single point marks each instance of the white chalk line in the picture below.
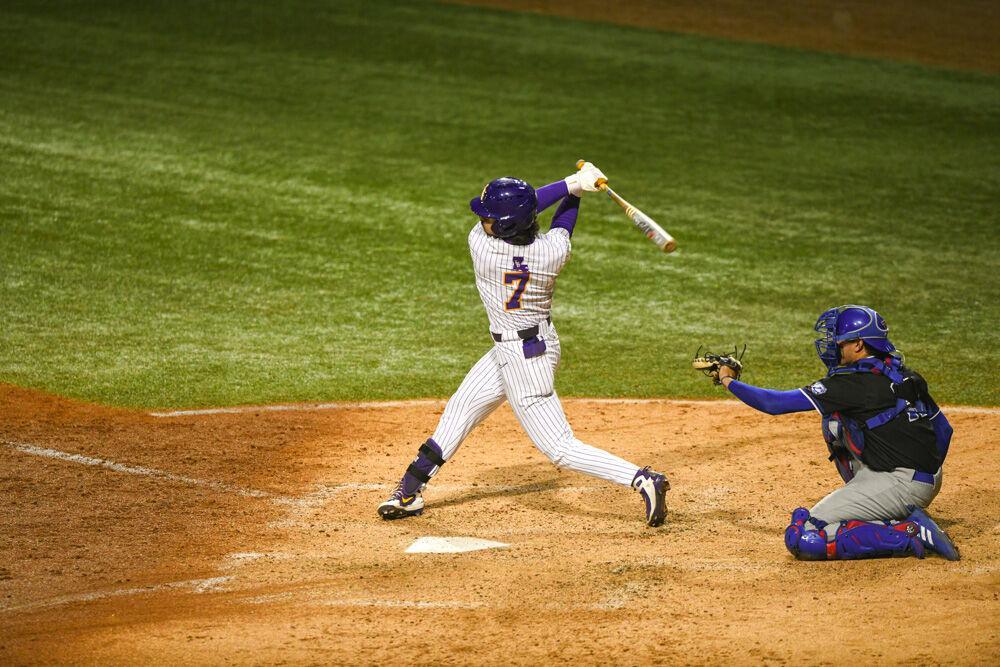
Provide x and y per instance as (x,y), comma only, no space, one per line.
(435,402)
(627,597)
(316,498)
(142,471)
(214,584)
(969,410)
(405,604)
(299,407)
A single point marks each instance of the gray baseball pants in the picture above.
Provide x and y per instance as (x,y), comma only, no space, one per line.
(874,496)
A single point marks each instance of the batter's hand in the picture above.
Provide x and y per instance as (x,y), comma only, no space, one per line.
(589,175)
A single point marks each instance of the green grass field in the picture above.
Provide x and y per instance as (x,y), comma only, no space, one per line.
(223,203)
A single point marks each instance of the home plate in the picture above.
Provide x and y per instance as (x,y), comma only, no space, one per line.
(451,545)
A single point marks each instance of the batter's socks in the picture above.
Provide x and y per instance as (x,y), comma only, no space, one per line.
(429,460)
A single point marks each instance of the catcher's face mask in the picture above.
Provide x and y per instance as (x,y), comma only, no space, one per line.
(826,344)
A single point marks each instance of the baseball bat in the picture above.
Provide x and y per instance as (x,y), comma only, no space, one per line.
(663,240)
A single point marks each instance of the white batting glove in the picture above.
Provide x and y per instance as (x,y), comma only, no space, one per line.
(573,183)
(588,177)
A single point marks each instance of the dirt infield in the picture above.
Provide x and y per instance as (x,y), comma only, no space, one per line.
(252,538)
(957,34)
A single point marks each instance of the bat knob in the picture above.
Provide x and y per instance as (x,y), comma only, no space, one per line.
(580,163)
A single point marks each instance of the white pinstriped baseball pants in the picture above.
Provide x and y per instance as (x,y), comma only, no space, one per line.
(529,385)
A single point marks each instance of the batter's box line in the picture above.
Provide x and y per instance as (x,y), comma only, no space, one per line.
(437,402)
(315,498)
(324,493)
(142,471)
(211,585)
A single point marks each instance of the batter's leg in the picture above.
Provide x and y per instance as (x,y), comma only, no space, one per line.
(480,393)
(529,386)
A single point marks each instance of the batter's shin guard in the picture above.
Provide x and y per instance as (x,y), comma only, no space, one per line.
(429,460)
(805,536)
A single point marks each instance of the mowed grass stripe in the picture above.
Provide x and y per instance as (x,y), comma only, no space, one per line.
(258,204)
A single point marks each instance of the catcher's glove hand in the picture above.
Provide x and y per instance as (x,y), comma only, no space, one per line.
(710,363)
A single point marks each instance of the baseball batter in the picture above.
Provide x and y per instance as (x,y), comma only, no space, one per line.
(516,269)
(886,435)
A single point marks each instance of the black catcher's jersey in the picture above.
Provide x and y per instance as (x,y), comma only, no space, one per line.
(908,441)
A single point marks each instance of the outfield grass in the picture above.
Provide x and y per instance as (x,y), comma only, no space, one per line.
(220,203)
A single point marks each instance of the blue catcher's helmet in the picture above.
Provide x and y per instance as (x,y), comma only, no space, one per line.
(510,202)
(850,323)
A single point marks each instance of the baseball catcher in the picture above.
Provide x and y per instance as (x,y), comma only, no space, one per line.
(886,436)
(516,267)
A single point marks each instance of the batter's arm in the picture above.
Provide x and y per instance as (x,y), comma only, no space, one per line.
(565,216)
(771,401)
(550,194)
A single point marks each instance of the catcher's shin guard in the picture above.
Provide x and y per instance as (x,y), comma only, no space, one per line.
(854,539)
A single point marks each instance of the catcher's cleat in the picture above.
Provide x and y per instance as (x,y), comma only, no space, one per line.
(400,505)
(932,536)
(653,487)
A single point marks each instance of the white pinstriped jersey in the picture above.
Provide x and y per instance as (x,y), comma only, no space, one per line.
(516,282)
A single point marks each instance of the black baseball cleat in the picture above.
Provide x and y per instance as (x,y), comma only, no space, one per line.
(653,487)
(400,506)
(931,535)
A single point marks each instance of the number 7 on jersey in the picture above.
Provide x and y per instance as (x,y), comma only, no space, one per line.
(519,275)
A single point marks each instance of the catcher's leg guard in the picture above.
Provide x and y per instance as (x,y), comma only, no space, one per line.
(860,539)
(429,460)
(854,539)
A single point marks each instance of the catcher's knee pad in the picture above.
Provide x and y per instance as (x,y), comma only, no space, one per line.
(806,536)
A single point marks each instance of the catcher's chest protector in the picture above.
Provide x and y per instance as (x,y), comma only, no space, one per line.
(844,434)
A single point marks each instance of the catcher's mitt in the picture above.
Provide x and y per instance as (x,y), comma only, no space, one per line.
(710,363)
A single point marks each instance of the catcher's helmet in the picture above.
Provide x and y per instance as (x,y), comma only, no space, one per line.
(510,202)
(850,322)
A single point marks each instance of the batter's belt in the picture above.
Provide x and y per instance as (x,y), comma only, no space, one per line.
(523,334)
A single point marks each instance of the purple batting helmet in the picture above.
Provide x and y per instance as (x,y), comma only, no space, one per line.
(511,202)
(850,322)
